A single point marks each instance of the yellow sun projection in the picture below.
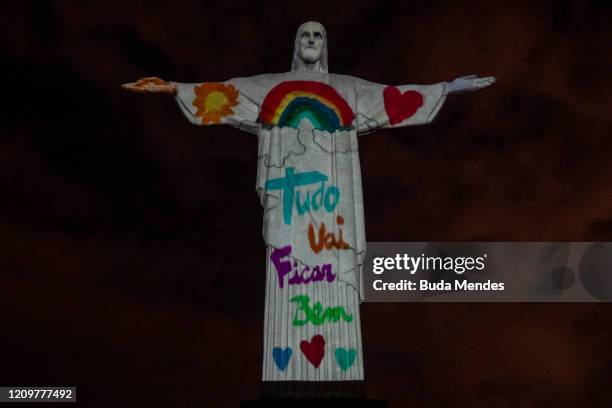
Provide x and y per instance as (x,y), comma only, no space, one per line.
(214,100)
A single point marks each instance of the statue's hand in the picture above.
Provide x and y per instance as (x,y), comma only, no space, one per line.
(150,85)
(468,83)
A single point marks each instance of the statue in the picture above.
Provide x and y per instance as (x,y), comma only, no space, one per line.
(309,184)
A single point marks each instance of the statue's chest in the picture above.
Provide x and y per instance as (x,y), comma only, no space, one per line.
(296,102)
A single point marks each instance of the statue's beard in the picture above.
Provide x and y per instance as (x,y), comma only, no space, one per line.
(310,56)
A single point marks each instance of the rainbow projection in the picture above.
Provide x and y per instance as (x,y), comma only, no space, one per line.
(290,102)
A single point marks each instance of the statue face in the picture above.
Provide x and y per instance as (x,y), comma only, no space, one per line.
(312,41)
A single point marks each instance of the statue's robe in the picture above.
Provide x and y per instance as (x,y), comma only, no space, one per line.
(309,179)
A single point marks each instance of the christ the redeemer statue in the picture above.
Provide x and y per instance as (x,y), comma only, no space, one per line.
(309,183)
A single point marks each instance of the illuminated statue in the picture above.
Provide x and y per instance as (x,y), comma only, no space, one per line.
(309,183)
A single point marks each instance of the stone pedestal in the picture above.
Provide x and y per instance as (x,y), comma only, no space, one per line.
(313,394)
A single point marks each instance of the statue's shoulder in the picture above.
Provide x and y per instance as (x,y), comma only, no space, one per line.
(273,79)
(270,79)
(344,78)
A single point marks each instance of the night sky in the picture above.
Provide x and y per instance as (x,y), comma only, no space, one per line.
(131,256)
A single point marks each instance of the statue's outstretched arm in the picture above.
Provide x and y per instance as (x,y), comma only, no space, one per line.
(234,102)
(390,106)
(384,106)
(151,85)
(468,83)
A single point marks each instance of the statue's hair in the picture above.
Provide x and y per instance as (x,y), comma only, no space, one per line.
(298,64)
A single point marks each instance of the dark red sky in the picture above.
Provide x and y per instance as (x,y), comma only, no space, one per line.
(131,256)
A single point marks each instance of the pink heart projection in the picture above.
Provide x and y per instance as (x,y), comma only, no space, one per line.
(314,350)
(400,106)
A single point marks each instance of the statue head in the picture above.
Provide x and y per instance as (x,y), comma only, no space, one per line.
(310,50)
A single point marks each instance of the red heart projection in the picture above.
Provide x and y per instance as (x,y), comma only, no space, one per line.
(314,350)
(400,106)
